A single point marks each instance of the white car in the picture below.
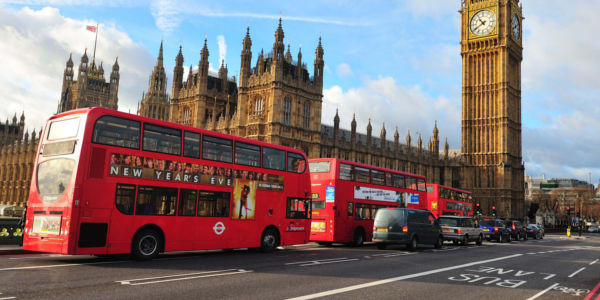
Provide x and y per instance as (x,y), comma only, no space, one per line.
(460,230)
(593,229)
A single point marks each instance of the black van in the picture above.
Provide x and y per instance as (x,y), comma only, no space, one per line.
(406,226)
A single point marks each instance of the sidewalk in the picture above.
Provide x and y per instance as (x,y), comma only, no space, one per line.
(12,249)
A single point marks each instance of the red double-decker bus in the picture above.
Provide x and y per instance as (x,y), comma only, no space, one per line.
(107,182)
(346,196)
(444,200)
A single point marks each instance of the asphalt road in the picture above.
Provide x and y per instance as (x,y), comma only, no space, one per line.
(552,268)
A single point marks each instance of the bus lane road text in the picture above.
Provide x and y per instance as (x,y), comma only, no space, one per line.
(498,276)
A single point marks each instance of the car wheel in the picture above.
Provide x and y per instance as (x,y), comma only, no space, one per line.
(509,239)
(381,246)
(479,240)
(269,240)
(439,243)
(465,240)
(500,239)
(518,237)
(412,245)
(146,245)
(525,237)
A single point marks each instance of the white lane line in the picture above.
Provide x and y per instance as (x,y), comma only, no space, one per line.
(389,280)
(170,277)
(593,262)
(575,273)
(322,261)
(60,266)
(531,253)
(5,298)
(542,292)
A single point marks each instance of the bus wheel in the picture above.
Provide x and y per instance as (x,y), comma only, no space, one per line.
(146,245)
(269,240)
(359,237)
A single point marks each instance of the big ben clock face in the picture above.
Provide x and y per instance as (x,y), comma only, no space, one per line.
(483,22)
(516,27)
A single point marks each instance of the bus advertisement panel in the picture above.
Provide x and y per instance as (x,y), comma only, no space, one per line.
(346,196)
(107,182)
(444,200)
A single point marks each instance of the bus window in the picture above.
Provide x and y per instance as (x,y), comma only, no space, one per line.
(191,144)
(346,172)
(273,159)
(125,198)
(399,181)
(298,208)
(411,182)
(213,204)
(187,202)
(62,129)
(319,166)
(350,209)
(156,201)
(388,179)
(296,163)
(217,149)
(421,184)
(362,175)
(377,177)
(247,155)
(114,131)
(162,139)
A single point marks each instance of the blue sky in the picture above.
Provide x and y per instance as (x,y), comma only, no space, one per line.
(394,62)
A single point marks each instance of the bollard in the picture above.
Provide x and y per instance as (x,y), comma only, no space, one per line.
(569,231)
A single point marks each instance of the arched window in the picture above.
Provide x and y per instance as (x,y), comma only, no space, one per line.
(287,111)
(258,107)
(187,114)
(306,116)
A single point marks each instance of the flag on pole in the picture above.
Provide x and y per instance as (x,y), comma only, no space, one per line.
(91,28)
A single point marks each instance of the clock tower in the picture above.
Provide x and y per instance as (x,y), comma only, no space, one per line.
(492,51)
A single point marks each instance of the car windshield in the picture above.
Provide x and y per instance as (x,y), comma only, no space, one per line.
(452,222)
(531,226)
(385,217)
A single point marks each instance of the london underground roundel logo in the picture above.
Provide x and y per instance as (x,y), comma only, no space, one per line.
(219,228)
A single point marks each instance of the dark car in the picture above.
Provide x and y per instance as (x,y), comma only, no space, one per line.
(406,226)
(535,231)
(517,230)
(495,229)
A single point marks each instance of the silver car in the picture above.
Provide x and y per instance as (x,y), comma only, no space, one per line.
(460,230)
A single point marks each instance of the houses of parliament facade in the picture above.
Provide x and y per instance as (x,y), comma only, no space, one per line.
(276,100)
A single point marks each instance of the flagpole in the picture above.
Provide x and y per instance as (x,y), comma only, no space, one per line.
(95,40)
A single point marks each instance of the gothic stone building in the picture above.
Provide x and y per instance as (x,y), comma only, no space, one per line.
(278,102)
(90,88)
(17,154)
(492,51)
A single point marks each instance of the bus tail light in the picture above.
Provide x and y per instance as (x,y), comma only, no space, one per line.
(459,231)
(495,229)
(405,229)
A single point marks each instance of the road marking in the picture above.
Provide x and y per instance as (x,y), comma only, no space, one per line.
(593,262)
(404,277)
(542,292)
(63,265)
(575,273)
(188,276)
(5,298)
(322,261)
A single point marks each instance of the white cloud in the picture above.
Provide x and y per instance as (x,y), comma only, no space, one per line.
(222,48)
(383,101)
(166,14)
(35,46)
(344,70)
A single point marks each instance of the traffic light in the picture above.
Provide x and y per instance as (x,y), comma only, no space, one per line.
(477,209)
(493,210)
(568,210)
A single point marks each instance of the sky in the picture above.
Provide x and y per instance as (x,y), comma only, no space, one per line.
(395,63)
